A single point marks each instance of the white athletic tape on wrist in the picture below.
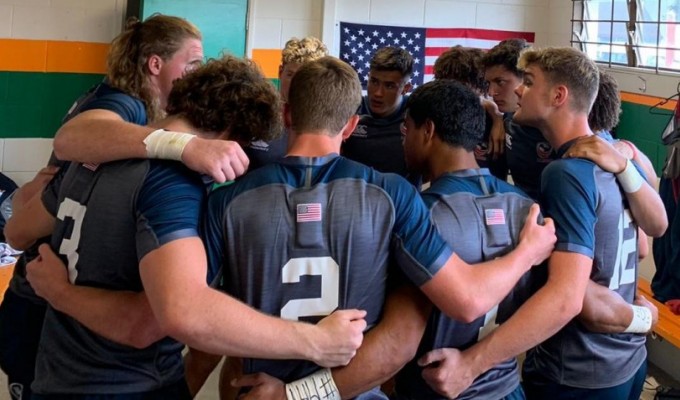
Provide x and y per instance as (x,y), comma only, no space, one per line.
(166,145)
(642,320)
(319,385)
(630,179)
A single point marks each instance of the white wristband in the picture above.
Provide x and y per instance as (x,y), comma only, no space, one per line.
(166,145)
(319,385)
(630,179)
(642,320)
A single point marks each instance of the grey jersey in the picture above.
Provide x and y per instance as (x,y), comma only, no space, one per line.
(108,218)
(306,236)
(481,217)
(590,219)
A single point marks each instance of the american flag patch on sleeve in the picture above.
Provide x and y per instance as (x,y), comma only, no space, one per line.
(310,212)
(494,216)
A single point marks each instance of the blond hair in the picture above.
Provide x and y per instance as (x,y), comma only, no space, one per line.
(566,66)
(127,69)
(324,94)
(302,50)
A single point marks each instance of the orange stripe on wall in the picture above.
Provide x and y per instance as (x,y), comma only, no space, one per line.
(647,100)
(20,55)
(269,61)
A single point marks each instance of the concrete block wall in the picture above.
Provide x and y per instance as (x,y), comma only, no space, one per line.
(26,146)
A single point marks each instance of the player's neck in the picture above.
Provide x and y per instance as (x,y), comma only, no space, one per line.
(313,144)
(567,127)
(450,159)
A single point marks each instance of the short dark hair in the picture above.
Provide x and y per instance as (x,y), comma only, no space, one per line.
(231,94)
(393,59)
(604,115)
(454,109)
(462,64)
(506,54)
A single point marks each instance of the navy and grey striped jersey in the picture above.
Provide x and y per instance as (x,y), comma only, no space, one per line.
(590,219)
(108,218)
(377,142)
(481,217)
(101,97)
(307,236)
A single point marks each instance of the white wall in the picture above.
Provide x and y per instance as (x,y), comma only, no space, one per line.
(273,22)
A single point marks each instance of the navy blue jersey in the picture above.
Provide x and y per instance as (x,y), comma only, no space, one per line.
(527,153)
(102,97)
(262,153)
(108,218)
(590,219)
(377,142)
(480,217)
(303,237)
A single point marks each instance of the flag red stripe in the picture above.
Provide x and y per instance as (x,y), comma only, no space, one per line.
(435,51)
(485,34)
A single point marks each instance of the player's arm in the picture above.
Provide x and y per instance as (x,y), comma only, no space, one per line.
(644,201)
(386,349)
(605,311)
(465,292)
(174,277)
(99,136)
(31,220)
(121,316)
(545,313)
(497,136)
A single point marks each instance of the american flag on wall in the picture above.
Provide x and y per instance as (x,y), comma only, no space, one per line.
(358,42)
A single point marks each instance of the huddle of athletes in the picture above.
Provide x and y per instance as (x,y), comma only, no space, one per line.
(319,270)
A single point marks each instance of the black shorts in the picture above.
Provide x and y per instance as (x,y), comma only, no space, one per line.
(176,391)
(21,322)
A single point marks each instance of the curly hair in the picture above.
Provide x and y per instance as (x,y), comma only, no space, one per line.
(302,50)
(324,95)
(567,66)
(454,109)
(393,59)
(160,35)
(604,115)
(506,53)
(462,64)
(231,94)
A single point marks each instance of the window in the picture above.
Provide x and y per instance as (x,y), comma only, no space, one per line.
(635,33)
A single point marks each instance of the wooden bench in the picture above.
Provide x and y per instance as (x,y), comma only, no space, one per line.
(669,323)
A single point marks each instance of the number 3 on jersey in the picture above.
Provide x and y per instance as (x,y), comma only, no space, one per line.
(69,247)
(328,270)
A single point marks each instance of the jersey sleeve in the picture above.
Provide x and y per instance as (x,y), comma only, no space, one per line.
(169,206)
(212,234)
(50,195)
(419,249)
(130,109)
(569,196)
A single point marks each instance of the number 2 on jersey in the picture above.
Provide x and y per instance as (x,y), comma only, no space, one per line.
(328,270)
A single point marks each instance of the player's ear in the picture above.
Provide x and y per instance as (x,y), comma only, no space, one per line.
(350,126)
(407,88)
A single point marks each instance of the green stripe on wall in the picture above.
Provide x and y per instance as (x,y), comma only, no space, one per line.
(32,104)
(644,129)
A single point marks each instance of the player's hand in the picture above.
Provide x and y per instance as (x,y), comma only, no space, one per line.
(674,305)
(446,372)
(262,386)
(641,300)
(338,337)
(599,151)
(223,160)
(47,274)
(497,136)
(539,239)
